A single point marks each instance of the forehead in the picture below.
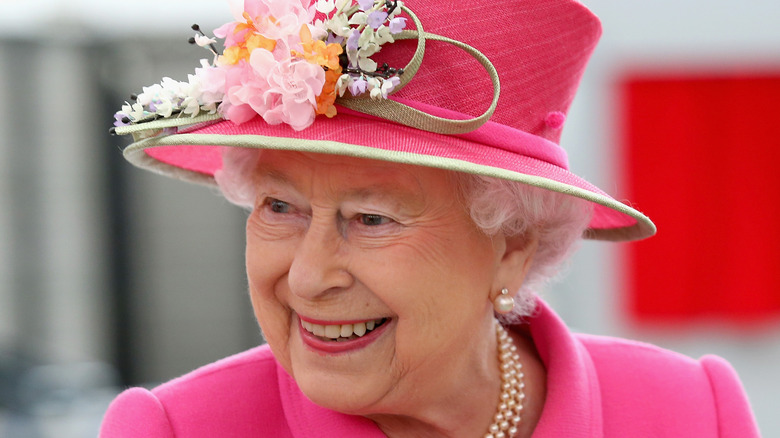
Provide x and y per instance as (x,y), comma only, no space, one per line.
(295,168)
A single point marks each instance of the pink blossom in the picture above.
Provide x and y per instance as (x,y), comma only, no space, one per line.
(211,81)
(293,88)
(241,86)
(280,20)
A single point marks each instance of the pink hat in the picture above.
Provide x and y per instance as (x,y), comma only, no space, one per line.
(485,89)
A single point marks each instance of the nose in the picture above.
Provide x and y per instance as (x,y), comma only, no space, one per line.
(319,265)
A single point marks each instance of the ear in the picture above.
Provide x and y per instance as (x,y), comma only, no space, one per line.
(518,253)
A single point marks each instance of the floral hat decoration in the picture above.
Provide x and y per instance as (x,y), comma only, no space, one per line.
(347,77)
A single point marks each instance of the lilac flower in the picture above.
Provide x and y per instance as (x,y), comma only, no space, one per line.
(376,18)
(366,4)
(358,87)
(118,117)
(334,39)
(397,25)
(352,41)
(388,85)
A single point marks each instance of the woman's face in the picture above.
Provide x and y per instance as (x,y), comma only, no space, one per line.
(336,245)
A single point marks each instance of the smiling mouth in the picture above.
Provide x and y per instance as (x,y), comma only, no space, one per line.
(342,332)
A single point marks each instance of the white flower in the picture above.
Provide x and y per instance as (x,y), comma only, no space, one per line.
(148,94)
(190,106)
(203,40)
(341,85)
(339,25)
(358,18)
(164,108)
(326,6)
(397,10)
(388,85)
(376,88)
(134,111)
(383,35)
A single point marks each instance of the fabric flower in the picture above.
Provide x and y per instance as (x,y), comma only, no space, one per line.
(318,52)
(352,41)
(397,25)
(204,41)
(327,96)
(280,64)
(119,119)
(343,84)
(376,18)
(292,89)
(358,87)
(365,5)
(326,6)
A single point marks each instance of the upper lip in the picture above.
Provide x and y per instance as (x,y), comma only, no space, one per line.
(337,321)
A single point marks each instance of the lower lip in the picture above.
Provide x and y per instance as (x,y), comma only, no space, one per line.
(334,347)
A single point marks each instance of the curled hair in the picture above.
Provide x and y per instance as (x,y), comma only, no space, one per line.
(236,177)
(495,205)
(516,209)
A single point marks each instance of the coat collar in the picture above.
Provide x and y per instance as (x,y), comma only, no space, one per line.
(573,404)
(572,408)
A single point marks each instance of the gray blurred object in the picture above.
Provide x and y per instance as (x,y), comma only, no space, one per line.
(54,401)
(101,263)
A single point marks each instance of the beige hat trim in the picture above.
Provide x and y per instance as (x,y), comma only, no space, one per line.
(135,154)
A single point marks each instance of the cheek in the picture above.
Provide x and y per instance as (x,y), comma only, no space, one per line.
(438,275)
(266,275)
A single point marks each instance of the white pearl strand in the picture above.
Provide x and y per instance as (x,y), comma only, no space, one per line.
(510,405)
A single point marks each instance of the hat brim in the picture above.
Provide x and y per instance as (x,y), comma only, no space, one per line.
(193,154)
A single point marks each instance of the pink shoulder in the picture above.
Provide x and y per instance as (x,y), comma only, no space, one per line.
(731,402)
(235,396)
(136,412)
(661,390)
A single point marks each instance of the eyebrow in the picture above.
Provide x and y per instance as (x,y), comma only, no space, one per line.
(381,190)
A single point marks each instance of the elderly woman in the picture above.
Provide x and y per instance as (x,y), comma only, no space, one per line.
(404,205)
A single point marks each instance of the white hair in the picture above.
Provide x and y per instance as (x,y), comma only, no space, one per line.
(495,205)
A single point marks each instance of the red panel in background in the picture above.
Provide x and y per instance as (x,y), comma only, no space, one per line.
(702,159)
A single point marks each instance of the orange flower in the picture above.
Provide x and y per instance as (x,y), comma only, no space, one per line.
(317,52)
(328,95)
(326,55)
(251,40)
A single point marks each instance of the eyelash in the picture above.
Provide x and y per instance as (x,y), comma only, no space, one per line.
(373,218)
(278,207)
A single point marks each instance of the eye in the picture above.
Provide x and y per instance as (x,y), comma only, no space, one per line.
(277,206)
(373,220)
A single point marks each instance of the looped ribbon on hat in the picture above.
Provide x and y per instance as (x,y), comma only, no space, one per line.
(387,109)
(398,112)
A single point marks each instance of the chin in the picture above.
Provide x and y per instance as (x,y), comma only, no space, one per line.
(347,383)
(342,394)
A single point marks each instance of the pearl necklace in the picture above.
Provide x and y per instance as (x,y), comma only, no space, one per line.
(510,405)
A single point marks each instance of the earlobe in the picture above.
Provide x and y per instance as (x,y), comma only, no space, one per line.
(519,252)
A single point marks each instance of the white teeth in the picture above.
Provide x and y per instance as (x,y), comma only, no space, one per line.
(341,331)
(332,331)
(359,328)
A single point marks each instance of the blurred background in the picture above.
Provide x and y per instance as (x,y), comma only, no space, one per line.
(110,276)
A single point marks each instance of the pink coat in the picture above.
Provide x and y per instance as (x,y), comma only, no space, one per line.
(597,387)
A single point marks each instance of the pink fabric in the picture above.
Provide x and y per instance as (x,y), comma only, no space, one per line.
(532,156)
(597,387)
(539,49)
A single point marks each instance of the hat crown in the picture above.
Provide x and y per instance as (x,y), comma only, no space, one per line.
(539,48)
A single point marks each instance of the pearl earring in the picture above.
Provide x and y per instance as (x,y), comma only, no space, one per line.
(504,303)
